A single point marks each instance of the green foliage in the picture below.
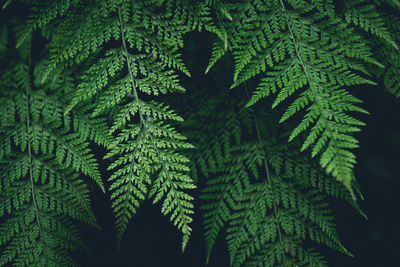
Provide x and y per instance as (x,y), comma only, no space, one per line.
(267,196)
(142,61)
(297,45)
(80,74)
(41,158)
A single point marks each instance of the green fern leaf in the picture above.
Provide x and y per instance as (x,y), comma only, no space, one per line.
(41,189)
(146,152)
(306,46)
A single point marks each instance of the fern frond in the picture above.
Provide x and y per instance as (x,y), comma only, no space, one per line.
(268,221)
(268,196)
(41,190)
(266,227)
(297,45)
(146,151)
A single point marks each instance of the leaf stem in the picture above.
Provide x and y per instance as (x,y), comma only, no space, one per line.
(270,184)
(34,201)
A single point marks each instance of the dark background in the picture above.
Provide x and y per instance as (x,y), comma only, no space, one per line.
(151,240)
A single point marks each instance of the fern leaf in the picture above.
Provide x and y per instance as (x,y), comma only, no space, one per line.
(146,152)
(39,166)
(298,46)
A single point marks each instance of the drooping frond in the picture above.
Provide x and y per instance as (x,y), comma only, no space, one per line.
(270,203)
(266,195)
(298,46)
(40,158)
(274,217)
(271,218)
(139,44)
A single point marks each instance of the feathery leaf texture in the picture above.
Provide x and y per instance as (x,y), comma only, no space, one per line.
(301,46)
(266,195)
(108,74)
(146,151)
(40,159)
